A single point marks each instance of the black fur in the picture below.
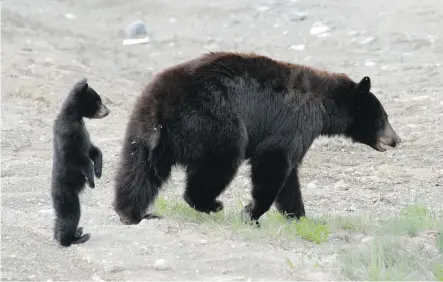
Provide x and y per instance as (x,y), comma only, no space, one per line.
(75,161)
(212,113)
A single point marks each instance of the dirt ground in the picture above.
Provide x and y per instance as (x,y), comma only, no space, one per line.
(48,45)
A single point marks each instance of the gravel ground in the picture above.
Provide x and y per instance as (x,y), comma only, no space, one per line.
(48,45)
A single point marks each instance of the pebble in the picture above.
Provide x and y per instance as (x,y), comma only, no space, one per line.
(311,186)
(262,8)
(341,185)
(368,40)
(203,241)
(299,47)
(300,16)
(369,63)
(161,264)
(70,16)
(318,28)
(136,29)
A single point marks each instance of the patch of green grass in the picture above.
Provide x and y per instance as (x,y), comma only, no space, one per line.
(272,224)
(438,270)
(352,223)
(388,259)
(412,220)
(440,241)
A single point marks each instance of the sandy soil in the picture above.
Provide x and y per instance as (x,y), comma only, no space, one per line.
(48,45)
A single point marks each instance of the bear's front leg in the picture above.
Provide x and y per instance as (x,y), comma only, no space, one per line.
(270,169)
(289,201)
(95,154)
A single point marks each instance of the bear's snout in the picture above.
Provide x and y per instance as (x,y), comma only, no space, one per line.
(126,217)
(387,137)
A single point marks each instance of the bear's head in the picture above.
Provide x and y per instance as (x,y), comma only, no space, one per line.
(131,211)
(86,101)
(369,121)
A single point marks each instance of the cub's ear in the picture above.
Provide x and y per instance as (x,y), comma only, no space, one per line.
(364,86)
(81,86)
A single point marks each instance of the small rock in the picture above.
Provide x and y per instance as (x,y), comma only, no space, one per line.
(369,63)
(144,250)
(70,16)
(161,264)
(299,16)
(136,29)
(318,28)
(367,239)
(368,40)
(203,241)
(341,185)
(311,186)
(262,8)
(299,47)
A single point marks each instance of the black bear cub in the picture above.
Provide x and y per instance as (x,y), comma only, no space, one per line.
(75,161)
(211,113)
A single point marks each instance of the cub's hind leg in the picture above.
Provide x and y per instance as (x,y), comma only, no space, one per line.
(67,210)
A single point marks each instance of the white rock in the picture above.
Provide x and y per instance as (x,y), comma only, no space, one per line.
(262,8)
(203,241)
(311,186)
(136,29)
(161,264)
(367,239)
(368,40)
(135,41)
(318,28)
(70,16)
(299,47)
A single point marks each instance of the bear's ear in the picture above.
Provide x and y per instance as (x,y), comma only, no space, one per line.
(81,86)
(364,86)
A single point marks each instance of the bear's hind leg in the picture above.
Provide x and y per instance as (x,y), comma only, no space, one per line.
(138,180)
(289,201)
(66,230)
(206,181)
(270,169)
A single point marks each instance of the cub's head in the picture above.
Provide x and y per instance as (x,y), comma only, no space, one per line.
(86,101)
(370,124)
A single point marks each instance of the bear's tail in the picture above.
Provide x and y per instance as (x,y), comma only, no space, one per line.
(144,166)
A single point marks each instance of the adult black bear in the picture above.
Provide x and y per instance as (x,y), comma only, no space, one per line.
(76,160)
(212,113)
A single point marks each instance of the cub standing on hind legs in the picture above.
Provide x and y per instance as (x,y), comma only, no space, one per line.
(76,160)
